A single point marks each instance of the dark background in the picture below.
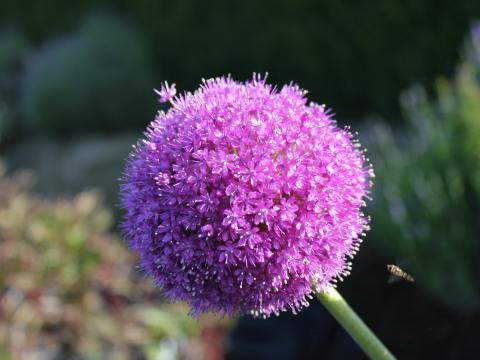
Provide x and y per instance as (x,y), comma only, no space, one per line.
(354,56)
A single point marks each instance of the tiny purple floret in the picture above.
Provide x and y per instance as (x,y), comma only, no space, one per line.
(241,197)
(166,92)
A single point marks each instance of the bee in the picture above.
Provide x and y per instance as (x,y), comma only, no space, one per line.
(397,273)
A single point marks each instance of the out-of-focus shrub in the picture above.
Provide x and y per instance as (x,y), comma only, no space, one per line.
(98,78)
(13,49)
(72,166)
(353,55)
(68,287)
(426,208)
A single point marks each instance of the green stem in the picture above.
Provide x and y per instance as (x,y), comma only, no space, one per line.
(350,321)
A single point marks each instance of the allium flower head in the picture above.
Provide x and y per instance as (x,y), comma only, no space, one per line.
(242,196)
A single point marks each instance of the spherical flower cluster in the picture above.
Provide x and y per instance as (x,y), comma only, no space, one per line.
(242,196)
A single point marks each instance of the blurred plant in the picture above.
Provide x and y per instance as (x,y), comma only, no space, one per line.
(98,78)
(366,52)
(13,49)
(68,289)
(427,199)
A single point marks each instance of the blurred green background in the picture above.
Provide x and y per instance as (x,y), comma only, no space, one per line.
(76,91)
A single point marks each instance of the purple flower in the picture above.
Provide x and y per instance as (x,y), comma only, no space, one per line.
(475,30)
(166,92)
(474,43)
(241,197)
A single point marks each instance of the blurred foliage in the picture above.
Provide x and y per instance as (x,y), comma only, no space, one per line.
(353,55)
(84,162)
(13,50)
(426,207)
(96,79)
(68,289)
